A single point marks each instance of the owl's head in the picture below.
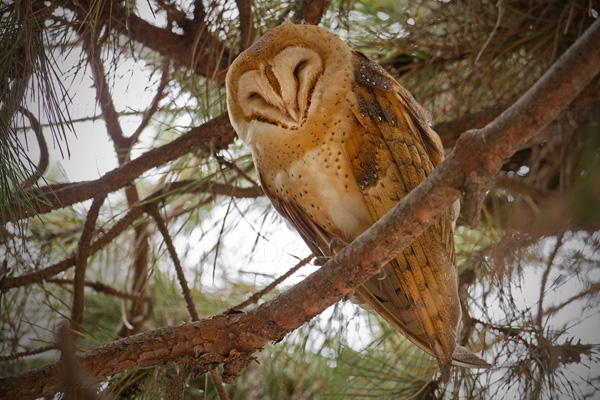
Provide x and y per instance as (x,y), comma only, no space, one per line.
(278,80)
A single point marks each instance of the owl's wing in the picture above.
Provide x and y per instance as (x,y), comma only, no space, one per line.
(313,235)
(391,152)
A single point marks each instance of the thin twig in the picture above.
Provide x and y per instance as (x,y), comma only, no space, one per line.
(594,289)
(218,384)
(152,210)
(164,80)
(241,172)
(545,276)
(103,288)
(258,295)
(83,251)
(27,353)
(500,6)
(43,163)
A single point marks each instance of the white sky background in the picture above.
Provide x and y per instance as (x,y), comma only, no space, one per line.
(92,155)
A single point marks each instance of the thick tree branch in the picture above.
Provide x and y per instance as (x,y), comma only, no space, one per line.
(232,338)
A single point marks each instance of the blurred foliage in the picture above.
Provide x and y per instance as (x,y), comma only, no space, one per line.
(528,273)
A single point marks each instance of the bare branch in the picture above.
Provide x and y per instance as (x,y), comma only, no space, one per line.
(83,252)
(311,11)
(545,276)
(258,295)
(152,209)
(593,289)
(164,80)
(103,97)
(27,353)
(43,163)
(218,384)
(217,131)
(246,25)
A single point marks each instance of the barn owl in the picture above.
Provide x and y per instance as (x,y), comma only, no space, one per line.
(337,142)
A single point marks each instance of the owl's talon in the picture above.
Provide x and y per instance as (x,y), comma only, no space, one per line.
(319,261)
(382,275)
(336,245)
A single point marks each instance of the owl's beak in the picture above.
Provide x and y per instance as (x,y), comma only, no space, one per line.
(293,112)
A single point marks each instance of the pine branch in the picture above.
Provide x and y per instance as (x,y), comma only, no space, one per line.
(185,186)
(167,43)
(231,339)
(217,132)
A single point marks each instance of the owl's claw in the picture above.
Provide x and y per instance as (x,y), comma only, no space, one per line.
(382,275)
(336,245)
(321,260)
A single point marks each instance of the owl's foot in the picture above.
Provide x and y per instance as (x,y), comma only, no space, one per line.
(319,261)
(335,246)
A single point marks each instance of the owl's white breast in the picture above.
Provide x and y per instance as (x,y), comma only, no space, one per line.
(334,198)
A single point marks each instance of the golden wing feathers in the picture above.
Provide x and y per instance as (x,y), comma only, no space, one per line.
(315,237)
(393,152)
